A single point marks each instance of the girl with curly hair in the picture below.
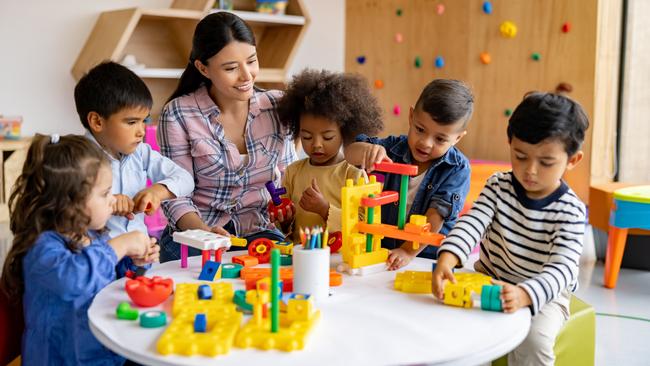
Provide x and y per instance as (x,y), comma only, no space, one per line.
(61,257)
(325,110)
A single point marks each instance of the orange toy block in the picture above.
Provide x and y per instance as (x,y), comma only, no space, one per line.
(381,199)
(245,260)
(396,168)
(252,275)
(392,231)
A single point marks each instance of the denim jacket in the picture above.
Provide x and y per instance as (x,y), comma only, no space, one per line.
(444,187)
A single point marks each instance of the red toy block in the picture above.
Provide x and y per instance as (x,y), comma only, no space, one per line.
(282,207)
(396,168)
(261,249)
(245,260)
(381,199)
(335,242)
(147,292)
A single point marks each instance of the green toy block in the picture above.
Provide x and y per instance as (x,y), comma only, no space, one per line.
(153,319)
(231,270)
(126,312)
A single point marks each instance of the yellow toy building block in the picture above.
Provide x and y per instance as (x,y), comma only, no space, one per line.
(300,308)
(238,242)
(460,293)
(285,247)
(180,337)
(351,196)
(417,282)
(367,259)
(186,299)
(291,336)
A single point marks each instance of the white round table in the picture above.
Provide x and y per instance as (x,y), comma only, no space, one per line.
(364,322)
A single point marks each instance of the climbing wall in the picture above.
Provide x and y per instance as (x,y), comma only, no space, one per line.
(502,49)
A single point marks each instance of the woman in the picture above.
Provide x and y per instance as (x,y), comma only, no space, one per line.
(225,132)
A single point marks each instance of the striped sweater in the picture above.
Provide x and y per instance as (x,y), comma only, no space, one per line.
(533,243)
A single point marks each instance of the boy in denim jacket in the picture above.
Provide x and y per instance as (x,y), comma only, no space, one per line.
(436,124)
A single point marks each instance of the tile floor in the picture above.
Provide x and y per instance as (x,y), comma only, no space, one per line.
(622,323)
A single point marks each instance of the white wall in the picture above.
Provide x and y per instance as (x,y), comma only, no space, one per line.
(40,40)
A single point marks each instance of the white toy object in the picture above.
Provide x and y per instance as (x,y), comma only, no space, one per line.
(206,242)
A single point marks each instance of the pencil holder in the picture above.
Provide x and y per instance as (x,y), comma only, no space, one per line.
(311,268)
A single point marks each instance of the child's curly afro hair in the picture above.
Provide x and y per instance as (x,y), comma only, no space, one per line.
(341,97)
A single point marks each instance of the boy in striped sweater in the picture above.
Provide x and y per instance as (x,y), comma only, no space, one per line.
(529,222)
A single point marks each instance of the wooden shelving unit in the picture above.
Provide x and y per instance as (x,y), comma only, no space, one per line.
(161,40)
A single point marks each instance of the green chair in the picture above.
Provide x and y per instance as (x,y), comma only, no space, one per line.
(576,343)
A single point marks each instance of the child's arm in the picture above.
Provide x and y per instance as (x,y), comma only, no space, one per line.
(365,154)
(561,268)
(148,200)
(401,256)
(123,206)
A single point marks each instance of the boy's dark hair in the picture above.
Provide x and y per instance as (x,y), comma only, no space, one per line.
(50,194)
(542,116)
(341,97)
(108,88)
(447,101)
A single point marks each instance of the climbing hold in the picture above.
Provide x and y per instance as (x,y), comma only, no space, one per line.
(399,38)
(485,58)
(440,9)
(397,110)
(508,29)
(440,62)
(379,84)
(563,88)
(536,56)
(566,27)
(398,12)
(361,60)
(418,61)
(507,112)
(487,7)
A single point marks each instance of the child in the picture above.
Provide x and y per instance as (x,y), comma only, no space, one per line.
(529,222)
(113,104)
(325,110)
(60,258)
(436,124)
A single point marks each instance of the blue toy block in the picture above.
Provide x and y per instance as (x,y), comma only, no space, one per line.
(300,296)
(205,292)
(209,270)
(200,323)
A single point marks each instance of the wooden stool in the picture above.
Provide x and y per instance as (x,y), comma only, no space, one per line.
(631,209)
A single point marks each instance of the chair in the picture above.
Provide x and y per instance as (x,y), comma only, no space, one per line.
(11,330)
(631,210)
(575,345)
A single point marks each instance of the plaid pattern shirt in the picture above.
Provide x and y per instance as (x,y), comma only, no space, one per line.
(227,186)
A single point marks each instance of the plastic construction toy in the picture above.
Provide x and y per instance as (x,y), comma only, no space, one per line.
(278,205)
(470,289)
(124,311)
(205,241)
(286,332)
(153,319)
(222,321)
(252,275)
(246,260)
(361,241)
(210,271)
(260,248)
(147,292)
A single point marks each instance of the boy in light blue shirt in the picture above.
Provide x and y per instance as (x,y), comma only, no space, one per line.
(114,104)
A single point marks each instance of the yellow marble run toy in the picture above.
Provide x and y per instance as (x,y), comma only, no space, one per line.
(361,251)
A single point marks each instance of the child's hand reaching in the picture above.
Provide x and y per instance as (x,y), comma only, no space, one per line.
(373,154)
(312,200)
(153,255)
(123,206)
(443,271)
(513,297)
(399,258)
(147,201)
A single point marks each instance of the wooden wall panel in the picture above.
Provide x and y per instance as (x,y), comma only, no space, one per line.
(460,34)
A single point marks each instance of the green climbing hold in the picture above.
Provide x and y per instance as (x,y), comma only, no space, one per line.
(508,112)
(399,12)
(536,56)
(418,62)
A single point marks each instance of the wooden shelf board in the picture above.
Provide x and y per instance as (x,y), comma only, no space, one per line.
(268,19)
